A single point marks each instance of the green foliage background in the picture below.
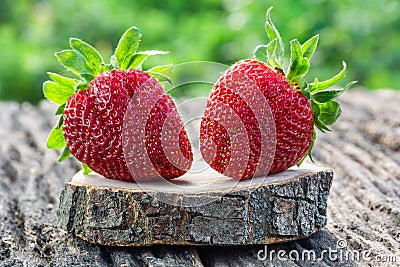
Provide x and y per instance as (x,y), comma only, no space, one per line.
(364,33)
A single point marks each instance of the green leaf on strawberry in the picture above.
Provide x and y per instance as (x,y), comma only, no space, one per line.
(299,65)
(273,34)
(56,93)
(65,154)
(326,96)
(56,139)
(126,48)
(59,89)
(92,57)
(309,46)
(86,169)
(73,61)
(329,112)
(60,110)
(318,86)
(161,73)
(136,60)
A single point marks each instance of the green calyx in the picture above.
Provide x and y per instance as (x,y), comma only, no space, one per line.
(325,109)
(85,62)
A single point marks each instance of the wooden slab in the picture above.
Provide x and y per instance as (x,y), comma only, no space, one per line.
(200,208)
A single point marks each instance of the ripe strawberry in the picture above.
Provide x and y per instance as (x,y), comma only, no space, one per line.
(94,126)
(295,108)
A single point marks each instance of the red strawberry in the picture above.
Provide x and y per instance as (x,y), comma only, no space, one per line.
(100,114)
(295,108)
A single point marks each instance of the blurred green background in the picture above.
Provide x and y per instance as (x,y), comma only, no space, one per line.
(364,33)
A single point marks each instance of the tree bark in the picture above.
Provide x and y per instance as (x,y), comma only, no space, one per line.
(283,207)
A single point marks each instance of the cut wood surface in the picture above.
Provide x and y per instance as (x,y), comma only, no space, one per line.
(200,208)
(363,206)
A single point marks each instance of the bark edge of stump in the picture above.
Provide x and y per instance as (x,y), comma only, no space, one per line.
(286,206)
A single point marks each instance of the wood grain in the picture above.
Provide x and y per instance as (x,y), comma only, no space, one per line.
(364,209)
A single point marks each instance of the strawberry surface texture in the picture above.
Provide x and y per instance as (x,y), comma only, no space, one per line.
(94,121)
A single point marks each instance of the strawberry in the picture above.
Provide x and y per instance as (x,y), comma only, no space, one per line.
(279,132)
(103,125)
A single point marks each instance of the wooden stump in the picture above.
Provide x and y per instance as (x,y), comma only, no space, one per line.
(196,209)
